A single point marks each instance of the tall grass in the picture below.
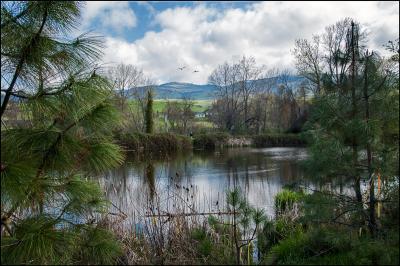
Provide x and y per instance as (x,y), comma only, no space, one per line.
(159,143)
(172,230)
(287,201)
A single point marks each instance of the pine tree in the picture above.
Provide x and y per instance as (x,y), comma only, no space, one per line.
(48,203)
(149,113)
(245,222)
(350,123)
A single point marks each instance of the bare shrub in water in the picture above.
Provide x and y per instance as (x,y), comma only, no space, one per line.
(171,230)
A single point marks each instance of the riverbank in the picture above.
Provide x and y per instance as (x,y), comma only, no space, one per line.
(186,236)
(219,140)
(278,140)
(159,143)
(167,143)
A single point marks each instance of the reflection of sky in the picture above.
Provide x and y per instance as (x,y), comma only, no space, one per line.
(259,173)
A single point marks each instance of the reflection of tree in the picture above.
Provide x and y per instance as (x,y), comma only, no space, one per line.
(150,180)
(116,184)
(205,176)
(247,181)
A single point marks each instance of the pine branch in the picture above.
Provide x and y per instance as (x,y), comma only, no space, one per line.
(44,160)
(16,17)
(21,63)
(17,94)
(251,239)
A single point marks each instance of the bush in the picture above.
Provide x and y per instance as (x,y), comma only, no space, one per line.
(332,246)
(210,141)
(286,199)
(160,143)
(271,140)
(204,244)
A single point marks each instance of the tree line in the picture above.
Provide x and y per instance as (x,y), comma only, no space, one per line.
(248,99)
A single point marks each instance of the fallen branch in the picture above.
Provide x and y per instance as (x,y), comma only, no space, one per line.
(170,215)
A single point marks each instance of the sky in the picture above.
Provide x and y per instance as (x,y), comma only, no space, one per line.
(160,36)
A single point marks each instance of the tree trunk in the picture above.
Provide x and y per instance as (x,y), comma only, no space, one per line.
(235,236)
(354,112)
(372,218)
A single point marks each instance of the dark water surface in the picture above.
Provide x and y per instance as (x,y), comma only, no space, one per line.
(202,178)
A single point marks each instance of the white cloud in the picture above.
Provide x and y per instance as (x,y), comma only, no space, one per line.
(201,37)
(112,15)
(152,11)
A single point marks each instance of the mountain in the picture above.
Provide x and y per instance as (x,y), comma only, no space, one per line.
(179,90)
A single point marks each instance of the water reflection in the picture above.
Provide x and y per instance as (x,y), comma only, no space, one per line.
(202,178)
(149,179)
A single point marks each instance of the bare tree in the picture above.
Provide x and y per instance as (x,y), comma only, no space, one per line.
(125,78)
(180,115)
(237,84)
(287,105)
(227,107)
(261,100)
(249,73)
(130,82)
(308,60)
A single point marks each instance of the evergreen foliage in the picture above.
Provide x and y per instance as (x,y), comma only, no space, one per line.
(245,222)
(49,208)
(149,113)
(353,121)
(353,139)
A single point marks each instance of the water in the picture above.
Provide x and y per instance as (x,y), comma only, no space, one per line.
(201,179)
(197,182)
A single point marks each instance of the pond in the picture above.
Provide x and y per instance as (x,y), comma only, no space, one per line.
(201,179)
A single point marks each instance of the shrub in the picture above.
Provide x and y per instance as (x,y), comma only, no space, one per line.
(204,244)
(271,140)
(160,143)
(209,141)
(285,200)
(333,246)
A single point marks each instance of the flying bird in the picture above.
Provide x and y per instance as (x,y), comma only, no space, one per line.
(181,68)
(196,71)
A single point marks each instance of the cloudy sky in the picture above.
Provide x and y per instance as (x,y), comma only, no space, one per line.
(162,36)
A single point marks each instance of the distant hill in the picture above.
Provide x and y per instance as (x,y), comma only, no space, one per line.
(179,90)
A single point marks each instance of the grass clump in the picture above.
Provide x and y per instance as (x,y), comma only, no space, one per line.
(286,200)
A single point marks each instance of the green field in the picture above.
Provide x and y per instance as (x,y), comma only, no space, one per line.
(159,104)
